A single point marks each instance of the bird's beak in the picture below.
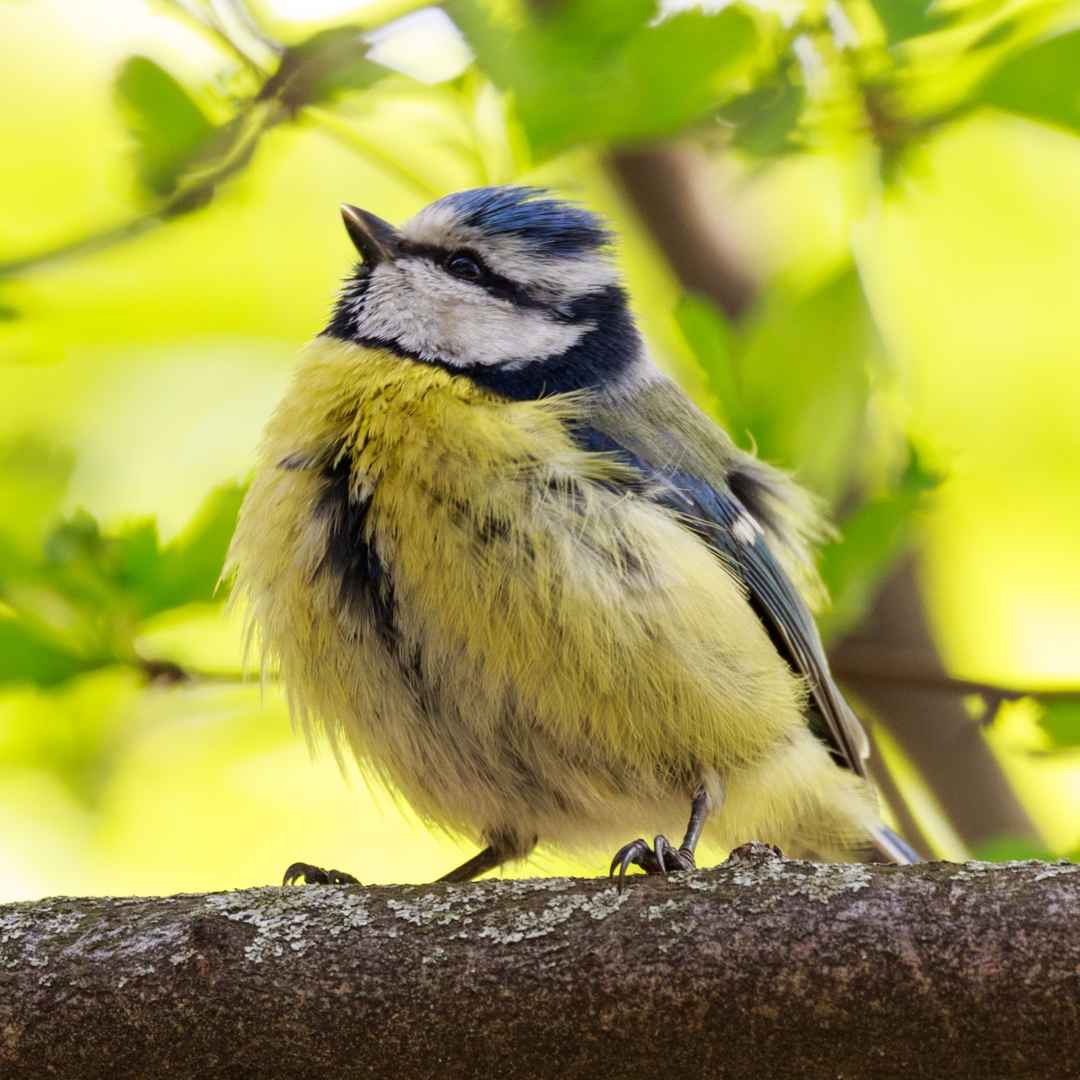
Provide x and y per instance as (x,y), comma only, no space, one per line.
(375,239)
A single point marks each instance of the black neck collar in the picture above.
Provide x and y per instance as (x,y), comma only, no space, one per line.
(604,352)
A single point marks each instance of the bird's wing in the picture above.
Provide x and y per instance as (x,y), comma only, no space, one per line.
(752,516)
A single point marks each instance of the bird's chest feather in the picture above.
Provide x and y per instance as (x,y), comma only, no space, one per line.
(461,523)
(452,585)
(422,518)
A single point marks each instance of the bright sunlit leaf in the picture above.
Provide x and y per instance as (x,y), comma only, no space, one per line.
(604,70)
(28,657)
(1041,81)
(904,19)
(1061,721)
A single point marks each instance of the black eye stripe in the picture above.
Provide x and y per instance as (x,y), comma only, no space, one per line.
(495,284)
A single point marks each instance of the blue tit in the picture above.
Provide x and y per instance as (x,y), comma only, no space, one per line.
(501,558)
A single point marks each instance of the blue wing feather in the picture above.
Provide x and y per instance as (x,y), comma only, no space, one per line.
(723,521)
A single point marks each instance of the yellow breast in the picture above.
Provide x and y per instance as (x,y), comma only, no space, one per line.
(483,612)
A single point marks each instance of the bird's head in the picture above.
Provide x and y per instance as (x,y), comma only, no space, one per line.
(513,288)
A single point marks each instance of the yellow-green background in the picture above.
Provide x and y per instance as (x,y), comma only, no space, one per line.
(156,362)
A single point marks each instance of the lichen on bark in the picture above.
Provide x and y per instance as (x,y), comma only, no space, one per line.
(762,967)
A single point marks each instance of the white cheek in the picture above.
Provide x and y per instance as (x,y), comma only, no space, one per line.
(437,318)
(516,337)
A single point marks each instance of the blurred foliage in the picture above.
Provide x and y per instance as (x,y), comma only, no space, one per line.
(872,538)
(168,127)
(905,19)
(81,604)
(604,70)
(1008,849)
(1039,81)
(142,352)
(1060,720)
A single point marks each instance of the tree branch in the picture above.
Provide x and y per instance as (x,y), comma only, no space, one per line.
(762,967)
(933,729)
(670,189)
(234,148)
(893,798)
(869,663)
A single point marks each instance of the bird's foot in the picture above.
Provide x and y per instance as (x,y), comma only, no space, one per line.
(316,875)
(658,859)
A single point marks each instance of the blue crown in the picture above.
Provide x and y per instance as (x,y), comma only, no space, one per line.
(548,225)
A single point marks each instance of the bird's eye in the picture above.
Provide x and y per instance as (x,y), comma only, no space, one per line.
(464,266)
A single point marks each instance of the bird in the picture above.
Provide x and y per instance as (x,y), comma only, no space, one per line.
(502,559)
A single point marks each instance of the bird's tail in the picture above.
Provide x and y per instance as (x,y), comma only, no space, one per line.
(893,848)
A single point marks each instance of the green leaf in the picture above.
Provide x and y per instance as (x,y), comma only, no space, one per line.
(905,19)
(129,574)
(169,128)
(766,119)
(873,537)
(95,570)
(600,71)
(1060,720)
(803,360)
(710,338)
(30,657)
(81,604)
(998,33)
(188,569)
(1041,81)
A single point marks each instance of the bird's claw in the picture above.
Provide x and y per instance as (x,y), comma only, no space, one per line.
(316,875)
(658,859)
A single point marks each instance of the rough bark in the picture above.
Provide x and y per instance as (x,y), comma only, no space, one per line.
(763,967)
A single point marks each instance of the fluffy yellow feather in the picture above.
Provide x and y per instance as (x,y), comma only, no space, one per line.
(509,633)
(505,561)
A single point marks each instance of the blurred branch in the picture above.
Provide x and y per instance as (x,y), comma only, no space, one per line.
(932,728)
(86,245)
(163,672)
(307,73)
(870,663)
(763,967)
(671,190)
(239,142)
(894,799)
(669,186)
